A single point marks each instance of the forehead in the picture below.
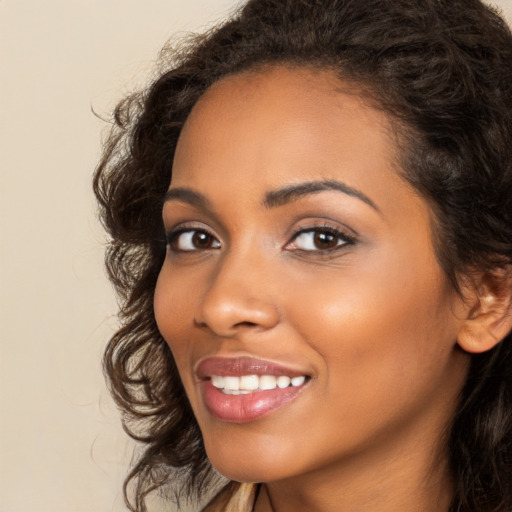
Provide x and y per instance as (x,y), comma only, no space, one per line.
(268,128)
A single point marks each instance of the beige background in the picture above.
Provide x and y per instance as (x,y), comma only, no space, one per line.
(62,448)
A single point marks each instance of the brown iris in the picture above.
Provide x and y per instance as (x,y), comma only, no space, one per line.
(325,240)
(201,240)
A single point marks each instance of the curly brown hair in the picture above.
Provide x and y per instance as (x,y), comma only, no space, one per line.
(443,70)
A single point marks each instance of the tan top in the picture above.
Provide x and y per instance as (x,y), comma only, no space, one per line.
(235,497)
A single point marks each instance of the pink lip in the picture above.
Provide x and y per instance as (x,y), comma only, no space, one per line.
(251,406)
(238,366)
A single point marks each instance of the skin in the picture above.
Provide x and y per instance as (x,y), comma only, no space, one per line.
(372,320)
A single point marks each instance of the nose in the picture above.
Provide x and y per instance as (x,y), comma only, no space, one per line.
(238,298)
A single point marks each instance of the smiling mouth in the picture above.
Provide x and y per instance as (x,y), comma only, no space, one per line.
(245,384)
(243,389)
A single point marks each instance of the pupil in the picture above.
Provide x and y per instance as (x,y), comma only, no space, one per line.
(201,240)
(325,240)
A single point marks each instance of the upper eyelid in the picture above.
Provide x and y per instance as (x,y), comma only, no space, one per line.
(318,225)
(323,224)
(320,228)
(173,234)
(188,226)
(180,229)
(349,238)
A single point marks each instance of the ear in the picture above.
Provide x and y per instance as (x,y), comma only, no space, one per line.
(488,297)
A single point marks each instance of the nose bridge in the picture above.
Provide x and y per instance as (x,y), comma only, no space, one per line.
(239,293)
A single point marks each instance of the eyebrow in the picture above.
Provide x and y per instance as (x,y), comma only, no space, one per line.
(291,193)
(273,198)
(188,195)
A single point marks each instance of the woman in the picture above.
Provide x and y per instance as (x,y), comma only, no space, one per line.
(324,313)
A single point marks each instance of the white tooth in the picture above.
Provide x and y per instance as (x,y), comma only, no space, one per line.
(232,383)
(283,381)
(298,381)
(235,391)
(249,382)
(218,381)
(268,382)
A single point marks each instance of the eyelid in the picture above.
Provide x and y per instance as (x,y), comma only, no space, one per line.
(188,226)
(346,234)
(172,234)
(341,233)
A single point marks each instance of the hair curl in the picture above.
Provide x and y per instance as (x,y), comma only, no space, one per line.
(443,70)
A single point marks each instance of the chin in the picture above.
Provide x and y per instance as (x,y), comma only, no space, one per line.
(248,471)
(247,462)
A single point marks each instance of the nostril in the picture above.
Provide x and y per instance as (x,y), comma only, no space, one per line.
(245,324)
(201,323)
(225,314)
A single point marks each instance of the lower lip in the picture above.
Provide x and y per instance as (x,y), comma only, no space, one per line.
(247,407)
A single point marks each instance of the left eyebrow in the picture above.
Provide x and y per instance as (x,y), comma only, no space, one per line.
(291,193)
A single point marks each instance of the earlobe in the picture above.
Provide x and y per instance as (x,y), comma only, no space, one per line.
(489,311)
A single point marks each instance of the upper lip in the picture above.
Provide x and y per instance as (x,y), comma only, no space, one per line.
(244,365)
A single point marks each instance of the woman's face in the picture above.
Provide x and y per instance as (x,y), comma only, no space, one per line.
(310,322)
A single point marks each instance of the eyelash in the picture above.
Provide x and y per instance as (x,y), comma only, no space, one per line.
(174,235)
(337,234)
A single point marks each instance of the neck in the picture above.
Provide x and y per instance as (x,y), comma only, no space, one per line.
(398,479)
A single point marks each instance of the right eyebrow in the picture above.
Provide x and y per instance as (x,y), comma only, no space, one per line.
(189,196)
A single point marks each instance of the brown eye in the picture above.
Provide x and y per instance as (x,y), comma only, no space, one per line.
(202,240)
(325,240)
(192,240)
(320,239)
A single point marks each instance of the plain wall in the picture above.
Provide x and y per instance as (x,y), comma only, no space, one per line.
(62,448)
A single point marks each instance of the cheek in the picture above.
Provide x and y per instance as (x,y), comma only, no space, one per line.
(174,309)
(174,305)
(382,329)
